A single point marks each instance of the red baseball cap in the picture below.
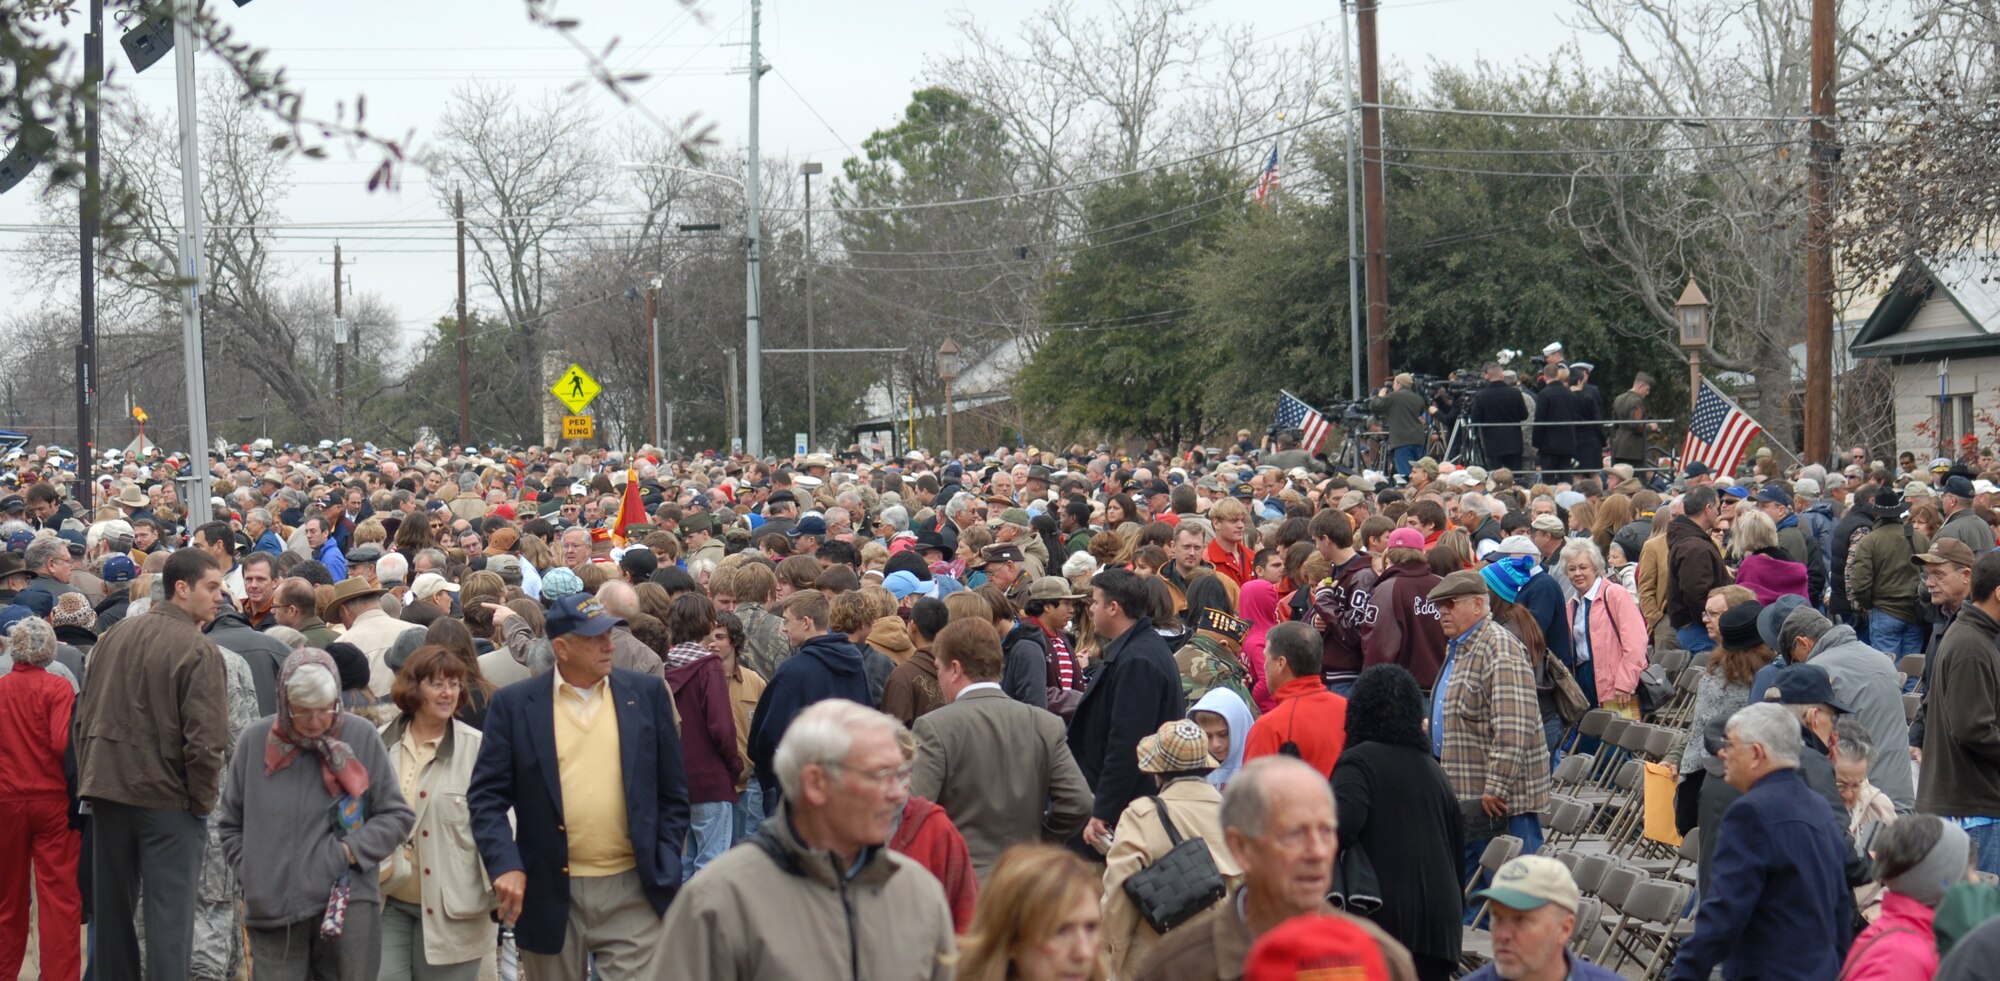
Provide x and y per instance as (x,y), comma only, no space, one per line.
(1316,947)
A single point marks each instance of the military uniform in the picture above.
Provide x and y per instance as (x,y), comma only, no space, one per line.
(1205,665)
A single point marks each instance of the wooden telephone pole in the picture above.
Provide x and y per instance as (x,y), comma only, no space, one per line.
(464,340)
(1824,154)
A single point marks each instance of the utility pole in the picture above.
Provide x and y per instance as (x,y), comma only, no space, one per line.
(464,338)
(1373,205)
(339,352)
(808,169)
(1353,236)
(753,326)
(653,359)
(1819,242)
(194,365)
(86,349)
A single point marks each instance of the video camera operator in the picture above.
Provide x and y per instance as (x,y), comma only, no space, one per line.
(1498,402)
(1402,412)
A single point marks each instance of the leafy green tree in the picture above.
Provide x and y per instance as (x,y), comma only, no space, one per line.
(1126,359)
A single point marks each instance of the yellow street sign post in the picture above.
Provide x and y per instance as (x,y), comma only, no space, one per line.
(579,427)
(575,389)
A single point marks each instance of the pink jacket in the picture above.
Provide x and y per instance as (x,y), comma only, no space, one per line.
(1617,639)
(1898,946)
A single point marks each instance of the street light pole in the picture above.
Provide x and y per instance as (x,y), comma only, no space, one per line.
(191,258)
(753,314)
(808,169)
(947,359)
(653,341)
(1692,310)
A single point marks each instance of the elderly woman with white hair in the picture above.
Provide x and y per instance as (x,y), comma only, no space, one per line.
(310,809)
(35,837)
(1607,631)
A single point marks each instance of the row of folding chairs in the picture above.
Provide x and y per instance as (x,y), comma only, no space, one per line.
(1639,918)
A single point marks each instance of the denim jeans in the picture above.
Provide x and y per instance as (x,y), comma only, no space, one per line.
(1986,839)
(1693,638)
(1895,637)
(1527,827)
(1405,457)
(1554,729)
(748,813)
(711,830)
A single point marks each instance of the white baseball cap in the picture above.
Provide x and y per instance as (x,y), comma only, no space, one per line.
(430,584)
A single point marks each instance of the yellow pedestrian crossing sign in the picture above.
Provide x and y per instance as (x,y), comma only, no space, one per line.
(576,389)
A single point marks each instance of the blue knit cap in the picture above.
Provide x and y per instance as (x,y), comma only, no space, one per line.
(1507,574)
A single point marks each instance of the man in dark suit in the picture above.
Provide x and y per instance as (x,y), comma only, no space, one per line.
(589,762)
(998,766)
(1138,688)
(1499,403)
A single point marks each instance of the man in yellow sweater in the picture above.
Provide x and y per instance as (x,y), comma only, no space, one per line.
(588,761)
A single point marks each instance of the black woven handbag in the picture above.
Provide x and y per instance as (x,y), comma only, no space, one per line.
(1180,885)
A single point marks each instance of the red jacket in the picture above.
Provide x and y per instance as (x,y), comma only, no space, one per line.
(1239,565)
(1898,946)
(1309,717)
(927,835)
(35,709)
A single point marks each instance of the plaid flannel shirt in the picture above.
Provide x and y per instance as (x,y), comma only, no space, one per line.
(1493,739)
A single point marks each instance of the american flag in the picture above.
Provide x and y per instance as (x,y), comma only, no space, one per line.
(1295,414)
(1718,432)
(1270,179)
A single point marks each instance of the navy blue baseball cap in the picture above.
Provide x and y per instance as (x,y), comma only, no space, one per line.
(811,524)
(580,614)
(11,615)
(119,568)
(38,600)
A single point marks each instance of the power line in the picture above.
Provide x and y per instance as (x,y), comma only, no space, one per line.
(1684,119)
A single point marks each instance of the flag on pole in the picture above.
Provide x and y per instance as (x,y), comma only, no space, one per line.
(1269,181)
(1294,413)
(1718,432)
(631,510)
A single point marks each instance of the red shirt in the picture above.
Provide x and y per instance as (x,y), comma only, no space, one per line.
(35,710)
(1309,717)
(1236,565)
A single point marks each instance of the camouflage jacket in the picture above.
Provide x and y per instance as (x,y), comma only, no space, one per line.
(1206,665)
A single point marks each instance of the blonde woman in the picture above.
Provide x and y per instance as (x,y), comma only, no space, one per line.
(1038,920)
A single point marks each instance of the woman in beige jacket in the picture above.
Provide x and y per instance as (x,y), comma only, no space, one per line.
(1179,759)
(436,898)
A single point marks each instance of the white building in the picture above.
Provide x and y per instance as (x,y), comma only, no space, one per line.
(1939,327)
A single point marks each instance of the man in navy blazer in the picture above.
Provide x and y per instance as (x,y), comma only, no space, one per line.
(600,811)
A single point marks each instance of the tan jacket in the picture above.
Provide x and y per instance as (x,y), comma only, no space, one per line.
(154,720)
(1140,840)
(771,908)
(1214,945)
(457,896)
(375,631)
(1653,580)
(745,688)
(1001,770)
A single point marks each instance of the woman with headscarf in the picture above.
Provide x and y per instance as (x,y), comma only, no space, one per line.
(1916,860)
(1226,717)
(311,794)
(435,925)
(1258,602)
(1396,807)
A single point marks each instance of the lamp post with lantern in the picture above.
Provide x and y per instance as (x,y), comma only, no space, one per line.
(1692,311)
(947,360)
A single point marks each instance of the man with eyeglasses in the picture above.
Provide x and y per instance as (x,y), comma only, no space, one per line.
(816,887)
(297,606)
(589,764)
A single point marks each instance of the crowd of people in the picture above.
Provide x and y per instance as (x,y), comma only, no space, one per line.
(459,712)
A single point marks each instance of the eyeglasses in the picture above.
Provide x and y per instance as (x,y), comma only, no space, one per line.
(900,774)
(319,713)
(1710,615)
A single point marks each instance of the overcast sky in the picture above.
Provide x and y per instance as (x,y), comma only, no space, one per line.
(841,68)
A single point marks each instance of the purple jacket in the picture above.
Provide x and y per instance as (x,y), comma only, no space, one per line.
(708,730)
(1770,576)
